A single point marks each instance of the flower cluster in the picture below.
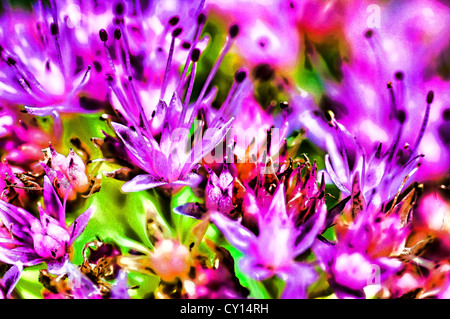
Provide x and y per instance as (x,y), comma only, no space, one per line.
(224,149)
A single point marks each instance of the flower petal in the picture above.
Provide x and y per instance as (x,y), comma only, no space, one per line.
(254,269)
(120,289)
(25,255)
(194,210)
(192,179)
(334,176)
(277,207)
(79,225)
(236,234)
(225,178)
(298,277)
(212,137)
(140,183)
(58,266)
(17,220)
(52,203)
(137,146)
(309,231)
(11,278)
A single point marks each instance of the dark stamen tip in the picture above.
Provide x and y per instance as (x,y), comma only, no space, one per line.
(117,21)
(430,97)
(389,85)
(401,116)
(240,76)
(54,29)
(186,45)
(446,115)
(284,105)
(368,34)
(195,55)
(119,9)
(103,35)
(11,61)
(174,21)
(234,31)
(117,34)
(177,32)
(201,18)
(399,75)
(130,78)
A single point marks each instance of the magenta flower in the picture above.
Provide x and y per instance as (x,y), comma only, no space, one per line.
(218,196)
(386,56)
(279,242)
(219,191)
(362,256)
(264,37)
(168,162)
(68,172)
(380,174)
(48,239)
(150,72)
(169,158)
(43,61)
(21,140)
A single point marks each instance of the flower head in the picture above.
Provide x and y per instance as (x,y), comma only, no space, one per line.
(379,175)
(369,245)
(43,60)
(68,173)
(278,243)
(47,239)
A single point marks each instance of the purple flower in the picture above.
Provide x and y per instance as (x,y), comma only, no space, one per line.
(150,72)
(380,174)
(219,191)
(45,60)
(47,239)
(264,38)
(168,162)
(218,196)
(380,98)
(9,281)
(361,256)
(68,172)
(279,242)
(156,133)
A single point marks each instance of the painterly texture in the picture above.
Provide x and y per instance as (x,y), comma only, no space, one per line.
(224,149)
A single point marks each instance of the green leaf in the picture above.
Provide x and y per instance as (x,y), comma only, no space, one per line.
(29,286)
(117,216)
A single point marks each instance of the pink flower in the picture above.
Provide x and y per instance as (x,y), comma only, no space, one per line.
(279,242)
(46,239)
